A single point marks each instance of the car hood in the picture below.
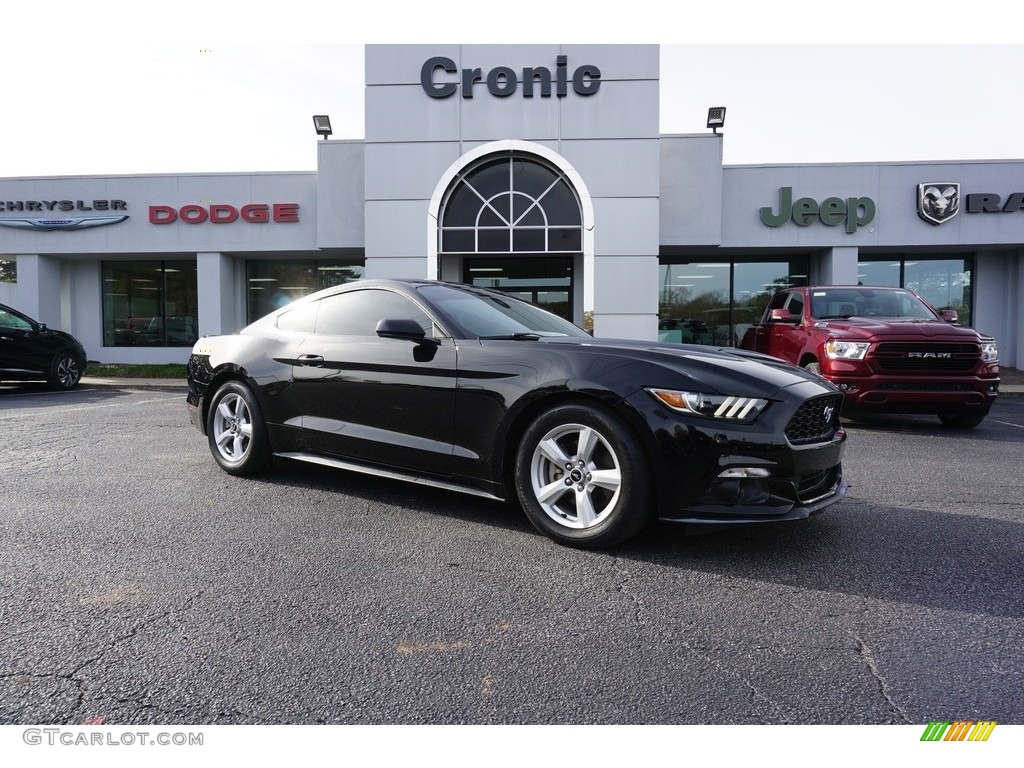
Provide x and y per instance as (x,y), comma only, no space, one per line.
(901,328)
(713,370)
(64,336)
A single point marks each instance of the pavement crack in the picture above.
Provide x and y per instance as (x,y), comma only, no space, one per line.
(864,651)
(74,676)
(625,586)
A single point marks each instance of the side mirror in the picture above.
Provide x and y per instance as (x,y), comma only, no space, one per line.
(949,315)
(403,328)
(781,316)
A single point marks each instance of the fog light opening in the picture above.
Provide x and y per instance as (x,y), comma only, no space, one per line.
(743,472)
(745,490)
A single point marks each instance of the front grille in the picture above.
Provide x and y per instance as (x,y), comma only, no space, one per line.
(927,358)
(815,421)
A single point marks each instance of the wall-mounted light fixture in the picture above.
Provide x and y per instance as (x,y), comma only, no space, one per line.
(323,125)
(716,118)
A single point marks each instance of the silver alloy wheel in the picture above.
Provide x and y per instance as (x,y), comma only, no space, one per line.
(813,367)
(232,427)
(575,476)
(67,372)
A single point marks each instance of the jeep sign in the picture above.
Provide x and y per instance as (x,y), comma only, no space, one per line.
(832,211)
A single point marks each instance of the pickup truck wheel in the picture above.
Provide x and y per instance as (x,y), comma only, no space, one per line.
(813,367)
(963,419)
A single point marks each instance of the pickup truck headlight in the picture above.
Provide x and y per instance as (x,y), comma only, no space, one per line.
(989,351)
(846,350)
(727,407)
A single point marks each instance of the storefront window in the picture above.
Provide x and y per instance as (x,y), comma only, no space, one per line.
(711,302)
(942,282)
(544,281)
(511,204)
(272,284)
(885,272)
(150,304)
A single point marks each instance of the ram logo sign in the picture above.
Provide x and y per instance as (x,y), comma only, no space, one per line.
(938,201)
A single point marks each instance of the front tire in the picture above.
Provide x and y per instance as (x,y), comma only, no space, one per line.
(813,366)
(237,432)
(582,478)
(963,419)
(65,371)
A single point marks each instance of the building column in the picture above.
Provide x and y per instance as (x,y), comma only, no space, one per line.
(218,294)
(620,313)
(837,266)
(1011,346)
(624,275)
(39,294)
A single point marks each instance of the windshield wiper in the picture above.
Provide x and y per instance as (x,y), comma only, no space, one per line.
(523,336)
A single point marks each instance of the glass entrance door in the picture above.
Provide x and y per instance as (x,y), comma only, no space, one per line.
(546,281)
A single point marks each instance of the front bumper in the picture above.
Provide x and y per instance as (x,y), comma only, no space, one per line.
(714,473)
(915,394)
(199,377)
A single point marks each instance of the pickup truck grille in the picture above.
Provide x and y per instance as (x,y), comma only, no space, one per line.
(927,358)
(815,421)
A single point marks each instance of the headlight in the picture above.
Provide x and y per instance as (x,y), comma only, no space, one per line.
(846,350)
(989,351)
(728,407)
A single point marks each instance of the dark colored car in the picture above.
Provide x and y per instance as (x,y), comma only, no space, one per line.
(29,351)
(886,348)
(476,391)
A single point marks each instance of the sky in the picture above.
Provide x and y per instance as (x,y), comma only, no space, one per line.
(190,87)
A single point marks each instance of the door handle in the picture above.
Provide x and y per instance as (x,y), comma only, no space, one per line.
(311,360)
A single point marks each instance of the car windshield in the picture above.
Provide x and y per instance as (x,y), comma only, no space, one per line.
(867,302)
(483,315)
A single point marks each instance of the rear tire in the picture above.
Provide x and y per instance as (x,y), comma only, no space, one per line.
(237,432)
(582,478)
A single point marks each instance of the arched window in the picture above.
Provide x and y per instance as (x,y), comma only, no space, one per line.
(511,204)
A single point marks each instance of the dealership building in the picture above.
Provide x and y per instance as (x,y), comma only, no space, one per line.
(538,170)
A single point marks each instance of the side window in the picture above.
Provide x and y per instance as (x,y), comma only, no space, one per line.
(796,305)
(10,320)
(778,302)
(356,313)
(301,318)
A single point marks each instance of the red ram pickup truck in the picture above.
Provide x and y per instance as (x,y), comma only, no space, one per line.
(885,348)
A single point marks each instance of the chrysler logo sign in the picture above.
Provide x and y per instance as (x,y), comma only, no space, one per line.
(50,225)
(54,215)
(938,201)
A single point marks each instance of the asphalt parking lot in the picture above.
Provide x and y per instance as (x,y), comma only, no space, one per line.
(141,584)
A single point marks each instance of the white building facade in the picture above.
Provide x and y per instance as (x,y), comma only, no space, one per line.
(534,169)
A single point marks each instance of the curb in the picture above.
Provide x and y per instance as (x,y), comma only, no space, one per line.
(135,383)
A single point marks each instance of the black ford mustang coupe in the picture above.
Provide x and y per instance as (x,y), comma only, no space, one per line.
(476,391)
